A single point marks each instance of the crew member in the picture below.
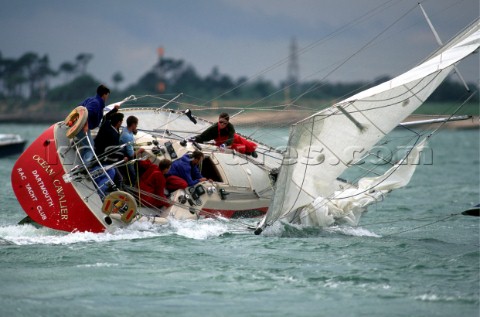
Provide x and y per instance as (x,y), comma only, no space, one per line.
(223,132)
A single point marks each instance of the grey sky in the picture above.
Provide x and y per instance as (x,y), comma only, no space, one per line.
(240,37)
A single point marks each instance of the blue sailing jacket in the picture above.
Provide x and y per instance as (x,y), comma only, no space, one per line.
(95,106)
(184,169)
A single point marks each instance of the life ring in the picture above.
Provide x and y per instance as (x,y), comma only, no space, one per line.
(76,120)
(120,202)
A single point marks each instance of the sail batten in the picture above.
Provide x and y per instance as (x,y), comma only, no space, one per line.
(326,143)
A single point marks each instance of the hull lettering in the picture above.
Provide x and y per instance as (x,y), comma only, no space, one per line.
(61,199)
(43,164)
(43,189)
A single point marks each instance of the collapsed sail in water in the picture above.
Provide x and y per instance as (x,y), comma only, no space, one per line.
(322,146)
(347,205)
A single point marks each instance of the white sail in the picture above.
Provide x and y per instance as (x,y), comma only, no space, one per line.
(347,205)
(323,145)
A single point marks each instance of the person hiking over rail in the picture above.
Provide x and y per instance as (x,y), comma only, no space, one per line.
(223,132)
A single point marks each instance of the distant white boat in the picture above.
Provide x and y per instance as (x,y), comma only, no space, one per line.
(11,144)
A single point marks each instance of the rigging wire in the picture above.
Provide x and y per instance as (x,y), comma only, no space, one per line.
(316,85)
(372,12)
(423,226)
(376,10)
(358,51)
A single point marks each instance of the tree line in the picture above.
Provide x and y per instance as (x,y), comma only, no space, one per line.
(27,79)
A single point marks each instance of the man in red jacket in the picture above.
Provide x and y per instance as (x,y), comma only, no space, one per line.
(153,182)
(223,132)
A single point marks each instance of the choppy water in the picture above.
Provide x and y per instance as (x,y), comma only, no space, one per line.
(408,257)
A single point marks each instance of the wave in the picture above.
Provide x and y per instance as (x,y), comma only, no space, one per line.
(197,230)
(298,231)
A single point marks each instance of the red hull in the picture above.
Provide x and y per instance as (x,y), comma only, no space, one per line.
(44,196)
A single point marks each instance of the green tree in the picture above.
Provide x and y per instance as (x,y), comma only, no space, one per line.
(12,77)
(189,81)
(27,65)
(82,62)
(74,92)
(117,78)
(69,69)
(262,88)
(217,83)
(36,71)
(43,73)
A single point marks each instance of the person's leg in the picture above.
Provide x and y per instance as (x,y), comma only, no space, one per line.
(129,175)
(244,146)
(86,148)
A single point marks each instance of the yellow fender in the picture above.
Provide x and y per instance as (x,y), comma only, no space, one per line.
(120,202)
(76,120)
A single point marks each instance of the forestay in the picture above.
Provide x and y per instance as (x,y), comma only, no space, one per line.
(323,145)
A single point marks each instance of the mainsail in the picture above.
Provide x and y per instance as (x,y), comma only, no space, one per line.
(322,146)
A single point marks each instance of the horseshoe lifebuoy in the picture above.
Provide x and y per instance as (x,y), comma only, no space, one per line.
(122,203)
(76,120)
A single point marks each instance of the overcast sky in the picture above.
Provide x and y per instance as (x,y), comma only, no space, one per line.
(247,38)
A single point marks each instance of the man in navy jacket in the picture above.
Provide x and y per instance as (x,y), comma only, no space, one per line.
(95,106)
(187,168)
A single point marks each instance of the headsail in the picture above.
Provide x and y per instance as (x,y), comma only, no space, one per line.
(323,145)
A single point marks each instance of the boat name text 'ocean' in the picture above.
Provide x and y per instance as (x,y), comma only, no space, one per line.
(44,164)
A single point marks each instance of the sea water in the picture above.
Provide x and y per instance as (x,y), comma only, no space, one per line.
(412,255)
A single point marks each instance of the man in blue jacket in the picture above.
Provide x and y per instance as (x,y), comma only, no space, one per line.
(187,168)
(95,106)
